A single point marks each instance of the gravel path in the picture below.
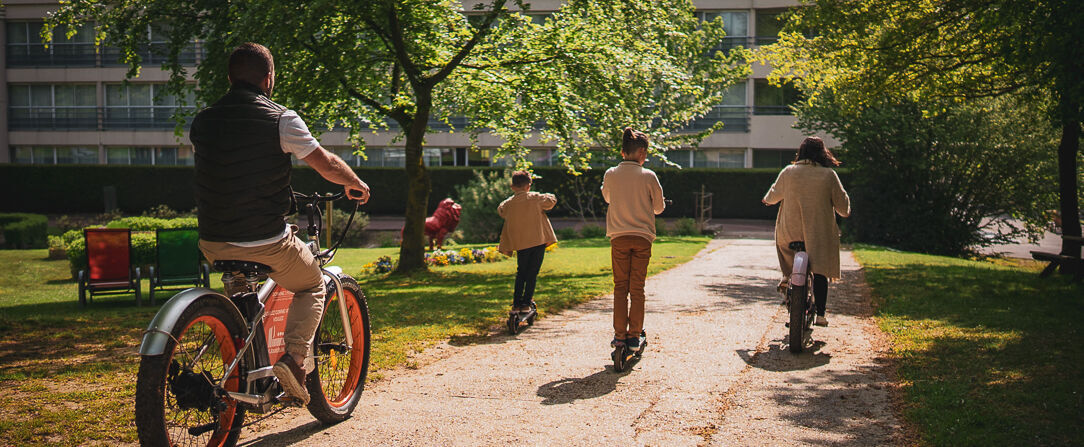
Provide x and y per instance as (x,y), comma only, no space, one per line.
(713,374)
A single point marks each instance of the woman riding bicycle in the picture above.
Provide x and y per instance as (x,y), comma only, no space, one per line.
(811,194)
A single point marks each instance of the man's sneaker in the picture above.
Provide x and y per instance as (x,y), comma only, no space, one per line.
(617,342)
(292,378)
(633,343)
(820,321)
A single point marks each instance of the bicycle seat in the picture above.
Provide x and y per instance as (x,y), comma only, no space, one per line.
(241,266)
(797,245)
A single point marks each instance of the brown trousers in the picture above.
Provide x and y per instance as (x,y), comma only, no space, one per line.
(295,269)
(630,256)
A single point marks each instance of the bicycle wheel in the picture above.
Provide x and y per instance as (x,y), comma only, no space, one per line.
(176,403)
(797,316)
(335,385)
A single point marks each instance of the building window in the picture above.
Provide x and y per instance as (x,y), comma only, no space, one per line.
(735,24)
(732,111)
(142,106)
(47,106)
(774,100)
(54,155)
(724,158)
(772,158)
(25,48)
(769,23)
(156,51)
(165,156)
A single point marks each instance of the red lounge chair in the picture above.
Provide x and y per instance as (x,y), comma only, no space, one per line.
(109,264)
(178,261)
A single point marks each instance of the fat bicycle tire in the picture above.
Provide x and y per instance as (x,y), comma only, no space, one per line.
(338,379)
(160,395)
(798,303)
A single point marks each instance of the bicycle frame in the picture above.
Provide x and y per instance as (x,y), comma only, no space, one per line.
(265,323)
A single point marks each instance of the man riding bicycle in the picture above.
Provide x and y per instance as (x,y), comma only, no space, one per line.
(243,145)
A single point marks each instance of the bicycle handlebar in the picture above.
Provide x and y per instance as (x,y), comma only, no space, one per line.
(313,212)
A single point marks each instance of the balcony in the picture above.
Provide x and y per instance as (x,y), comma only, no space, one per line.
(771,110)
(57,55)
(92,118)
(155,55)
(734,118)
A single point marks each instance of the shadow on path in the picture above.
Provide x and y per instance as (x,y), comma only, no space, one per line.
(291,436)
(565,391)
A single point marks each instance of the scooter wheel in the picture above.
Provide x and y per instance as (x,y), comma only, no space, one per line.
(619,359)
(513,324)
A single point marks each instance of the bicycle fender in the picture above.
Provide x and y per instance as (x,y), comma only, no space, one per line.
(801,266)
(158,333)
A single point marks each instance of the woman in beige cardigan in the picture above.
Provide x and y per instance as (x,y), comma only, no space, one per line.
(812,195)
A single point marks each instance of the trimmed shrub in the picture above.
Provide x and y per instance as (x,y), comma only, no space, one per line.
(660,227)
(565,234)
(479,198)
(24,230)
(356,236)
(592,231)
(686,227)
(143,223)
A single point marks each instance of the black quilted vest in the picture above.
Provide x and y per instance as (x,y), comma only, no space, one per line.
(242,175)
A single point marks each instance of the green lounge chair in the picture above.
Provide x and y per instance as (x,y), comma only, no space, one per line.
(178,261)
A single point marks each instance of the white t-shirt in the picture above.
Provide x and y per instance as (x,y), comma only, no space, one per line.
(295,138)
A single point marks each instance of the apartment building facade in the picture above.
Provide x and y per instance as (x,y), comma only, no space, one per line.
(69,104)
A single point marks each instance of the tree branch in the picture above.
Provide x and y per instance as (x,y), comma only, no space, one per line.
(464,51)
(399,47)
(511,63)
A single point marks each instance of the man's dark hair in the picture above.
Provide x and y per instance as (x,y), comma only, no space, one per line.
(250,62)
(521,179)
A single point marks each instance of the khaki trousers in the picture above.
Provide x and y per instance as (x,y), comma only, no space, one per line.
(629,256)
(295,269)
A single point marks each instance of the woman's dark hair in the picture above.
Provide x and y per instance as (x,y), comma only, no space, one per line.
(813,149)
(633,140)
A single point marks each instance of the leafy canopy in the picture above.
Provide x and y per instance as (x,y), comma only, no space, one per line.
(574,78)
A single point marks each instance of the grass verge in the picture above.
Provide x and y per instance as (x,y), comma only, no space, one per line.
(988,353)
(68,374)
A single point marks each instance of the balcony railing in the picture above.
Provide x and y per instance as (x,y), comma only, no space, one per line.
(771,110)
(84,55)
(734,118)
(91,118)
(53,118)
(156,54)
(57,55)
(766,40)
(121,118)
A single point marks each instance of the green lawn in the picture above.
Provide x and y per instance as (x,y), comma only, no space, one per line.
(68,374)
(988,353)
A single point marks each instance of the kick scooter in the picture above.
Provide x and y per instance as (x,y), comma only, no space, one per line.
(517,321)
(624,356)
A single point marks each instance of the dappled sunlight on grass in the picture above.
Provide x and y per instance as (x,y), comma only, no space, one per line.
(71,371)
(988,352)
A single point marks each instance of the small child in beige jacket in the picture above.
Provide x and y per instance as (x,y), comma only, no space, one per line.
(528,232)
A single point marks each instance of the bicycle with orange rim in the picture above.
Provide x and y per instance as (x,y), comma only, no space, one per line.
(206,358)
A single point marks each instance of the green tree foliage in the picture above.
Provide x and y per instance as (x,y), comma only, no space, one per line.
(583,74)
(955,51)
(945,183)
(479,198)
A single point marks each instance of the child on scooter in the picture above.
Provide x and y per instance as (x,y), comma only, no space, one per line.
(635,197)
(528,232)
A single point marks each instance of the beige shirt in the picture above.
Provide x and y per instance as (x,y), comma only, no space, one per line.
(525,221)
(812,195)
(635,197)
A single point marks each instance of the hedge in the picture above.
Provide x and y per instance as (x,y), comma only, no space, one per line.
(79,188)
(24,230)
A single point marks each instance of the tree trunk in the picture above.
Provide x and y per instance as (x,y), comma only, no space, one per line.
(1067,182)
(412,250)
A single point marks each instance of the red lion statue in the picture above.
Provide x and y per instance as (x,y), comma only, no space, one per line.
(443,221)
